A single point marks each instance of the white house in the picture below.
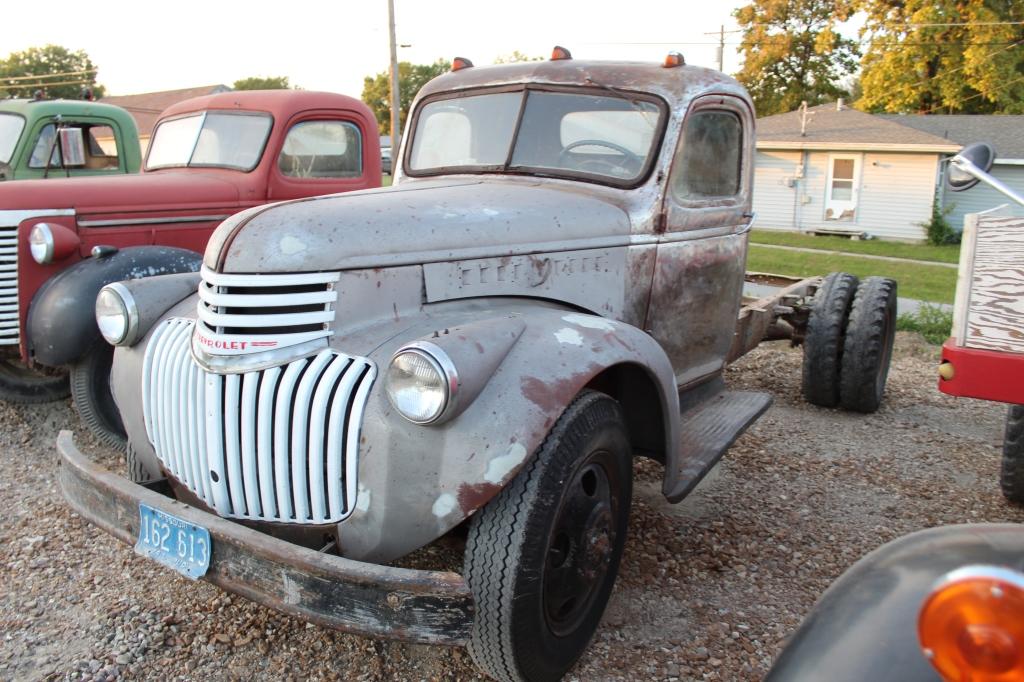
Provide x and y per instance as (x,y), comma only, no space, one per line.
(1004,133)
(835,170)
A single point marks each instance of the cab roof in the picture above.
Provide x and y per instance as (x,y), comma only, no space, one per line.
(278,103)
(33,108)
(676,85)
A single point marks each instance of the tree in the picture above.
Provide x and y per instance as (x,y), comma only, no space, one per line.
(943,56)
(793,53)
(55,70)
(262,83)
(411,77)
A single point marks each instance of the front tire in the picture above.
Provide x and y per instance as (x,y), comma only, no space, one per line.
(542,557)
(20,384)
(1011,474)
(90,390)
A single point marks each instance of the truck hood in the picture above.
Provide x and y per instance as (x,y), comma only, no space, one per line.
(150,191)
(418,222)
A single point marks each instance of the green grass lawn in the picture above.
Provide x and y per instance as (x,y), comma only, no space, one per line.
(924,282)
(874,247)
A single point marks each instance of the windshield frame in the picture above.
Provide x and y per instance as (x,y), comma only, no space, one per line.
(21,132)
(540,171)
(203,113)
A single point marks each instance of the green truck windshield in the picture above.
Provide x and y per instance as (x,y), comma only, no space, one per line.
(11,126)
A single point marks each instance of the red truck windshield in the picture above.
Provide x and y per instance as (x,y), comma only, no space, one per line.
(558,133)
(210,139)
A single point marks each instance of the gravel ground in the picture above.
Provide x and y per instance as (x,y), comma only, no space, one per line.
(709,588)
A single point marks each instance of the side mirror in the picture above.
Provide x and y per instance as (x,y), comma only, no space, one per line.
(979,155)
(72,148)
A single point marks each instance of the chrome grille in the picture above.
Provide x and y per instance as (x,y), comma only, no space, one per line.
(9,285)
(280,444)
(285,309)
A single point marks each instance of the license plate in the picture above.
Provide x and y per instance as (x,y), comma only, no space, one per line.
(173,542)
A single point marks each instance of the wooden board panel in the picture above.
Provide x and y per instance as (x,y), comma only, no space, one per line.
(992,312)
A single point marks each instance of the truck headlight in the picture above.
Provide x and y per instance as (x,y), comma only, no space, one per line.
(41,243)
(422,382)
(117,315)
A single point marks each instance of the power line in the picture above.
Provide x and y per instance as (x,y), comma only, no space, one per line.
(48,75)
(31,86)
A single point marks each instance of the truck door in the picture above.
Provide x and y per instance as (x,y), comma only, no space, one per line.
(702,249)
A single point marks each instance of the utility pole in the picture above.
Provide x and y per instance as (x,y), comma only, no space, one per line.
(721,48)
(396,131)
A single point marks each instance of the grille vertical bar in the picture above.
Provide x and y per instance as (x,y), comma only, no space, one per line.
(279,444)
(9,285)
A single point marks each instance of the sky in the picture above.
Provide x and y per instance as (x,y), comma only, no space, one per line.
(145,46)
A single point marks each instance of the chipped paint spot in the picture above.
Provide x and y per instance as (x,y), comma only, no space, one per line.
(443,505)
(292,594)
(290,246)
(568,335)
(491,212)
(590,322)
(499,467)
(362,498)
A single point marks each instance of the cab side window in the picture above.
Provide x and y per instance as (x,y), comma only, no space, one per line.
(708,164)
(322,149)
(99,141)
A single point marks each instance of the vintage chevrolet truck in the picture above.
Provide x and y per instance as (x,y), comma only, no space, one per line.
(100,139)
(553,287)
(210,157)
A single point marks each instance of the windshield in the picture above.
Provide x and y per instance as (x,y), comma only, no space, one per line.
(221,139)
(11,126)
(561,133)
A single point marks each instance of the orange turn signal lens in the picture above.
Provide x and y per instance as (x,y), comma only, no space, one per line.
(460,63)
(971,626)
(674,59)
(560,53)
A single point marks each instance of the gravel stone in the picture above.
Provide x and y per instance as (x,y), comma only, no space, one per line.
(709,589)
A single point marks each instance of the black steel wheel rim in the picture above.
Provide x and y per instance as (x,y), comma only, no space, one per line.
(581,543)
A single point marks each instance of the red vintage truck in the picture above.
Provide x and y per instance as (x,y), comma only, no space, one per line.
(209,157)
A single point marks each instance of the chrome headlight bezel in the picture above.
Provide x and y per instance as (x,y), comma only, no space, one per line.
(129,311)
(448,377)
(41,243)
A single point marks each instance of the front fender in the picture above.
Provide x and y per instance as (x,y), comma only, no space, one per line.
(61,322)
(865,625)
(418,482)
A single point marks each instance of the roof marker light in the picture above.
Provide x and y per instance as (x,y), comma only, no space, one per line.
(560,52)
(460,63)
(673,59)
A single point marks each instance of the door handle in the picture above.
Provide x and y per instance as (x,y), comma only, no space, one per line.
(750,223)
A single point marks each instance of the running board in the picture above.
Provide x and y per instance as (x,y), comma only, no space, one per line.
(708,429)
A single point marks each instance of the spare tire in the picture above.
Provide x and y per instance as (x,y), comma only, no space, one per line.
(823,341)
(867,349)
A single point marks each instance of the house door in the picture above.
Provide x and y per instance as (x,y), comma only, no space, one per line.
(842,188)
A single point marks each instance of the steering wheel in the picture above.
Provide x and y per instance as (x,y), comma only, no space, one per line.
(630,157)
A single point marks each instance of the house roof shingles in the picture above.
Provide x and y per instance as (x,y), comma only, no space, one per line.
(1004,132)
(147,107)
(829,127)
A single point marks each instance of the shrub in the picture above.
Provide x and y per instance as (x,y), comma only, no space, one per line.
(938,228)
(930,321)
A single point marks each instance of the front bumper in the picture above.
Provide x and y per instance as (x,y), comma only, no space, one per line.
(428,607)
(986,374)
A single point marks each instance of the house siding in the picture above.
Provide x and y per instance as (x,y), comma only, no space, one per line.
(981,197)
(774,201)
(895,193)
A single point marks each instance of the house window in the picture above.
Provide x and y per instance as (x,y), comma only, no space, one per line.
(708,164)
(322,149)
(841,189)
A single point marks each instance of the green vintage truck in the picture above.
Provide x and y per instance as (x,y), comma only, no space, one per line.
(66,138)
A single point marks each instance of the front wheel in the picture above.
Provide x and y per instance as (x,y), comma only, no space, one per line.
(22,384)
(90,390)
(542,556)
(1011,475)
